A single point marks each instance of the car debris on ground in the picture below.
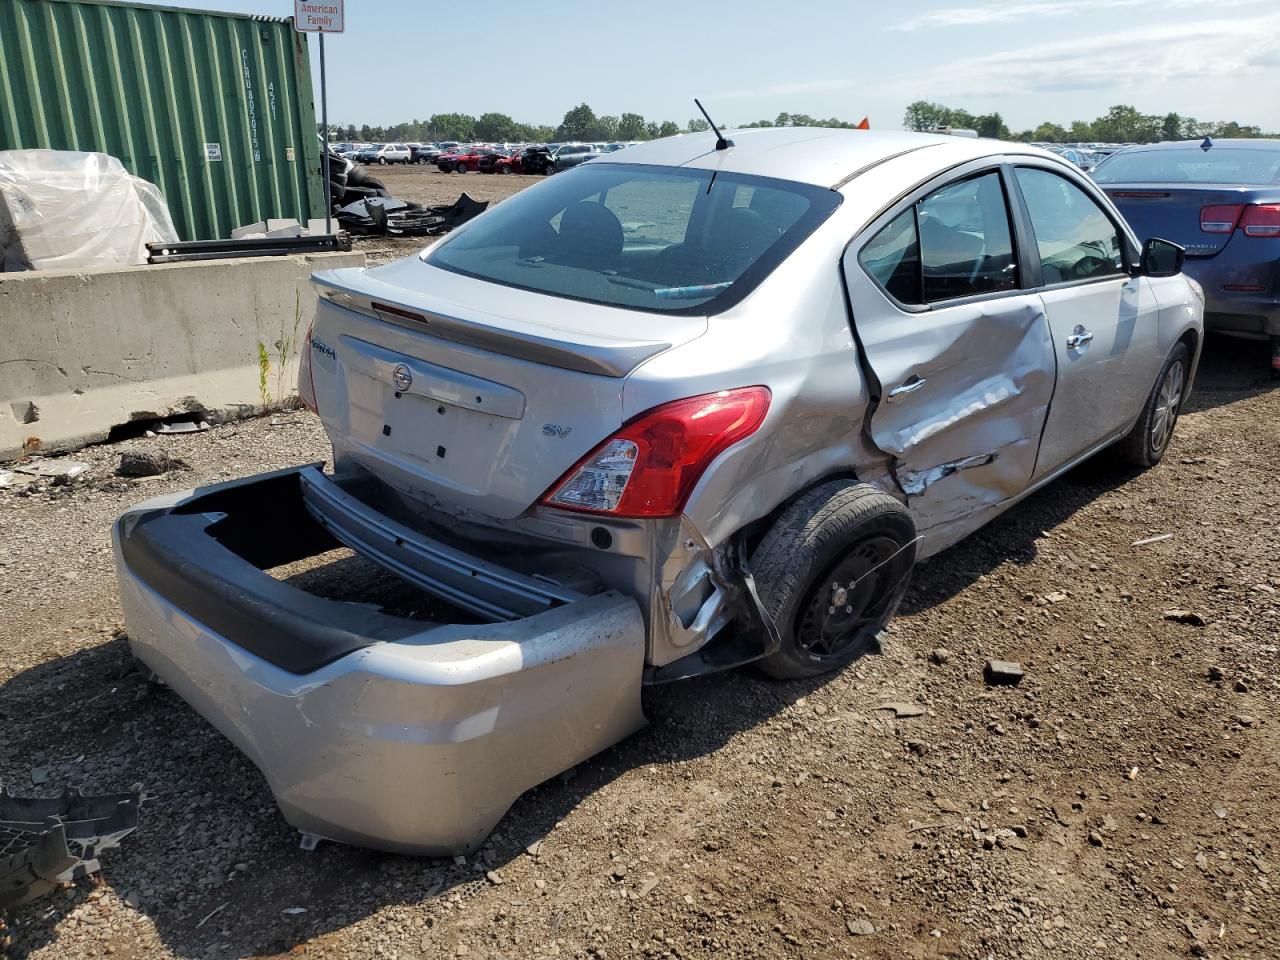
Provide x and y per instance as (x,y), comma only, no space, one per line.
(45,842)
(1002,673)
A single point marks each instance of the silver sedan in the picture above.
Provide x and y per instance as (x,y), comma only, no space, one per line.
(694,404)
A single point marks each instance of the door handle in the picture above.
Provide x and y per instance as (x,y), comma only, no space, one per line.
(1078,340)
(907,386)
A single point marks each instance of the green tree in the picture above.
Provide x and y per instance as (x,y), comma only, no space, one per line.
(1048,133)
(631,127)
(923,115)
(697,125)
(991,125)
(667,129)
(1081,131)
(495,127)
(606,128)
(453,126)
(1171,127)
(578,124)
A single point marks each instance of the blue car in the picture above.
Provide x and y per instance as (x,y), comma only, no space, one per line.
(1221,200)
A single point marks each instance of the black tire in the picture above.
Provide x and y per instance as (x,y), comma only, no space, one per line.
(836,530)
(359,177)
(1145,444)
(459,167)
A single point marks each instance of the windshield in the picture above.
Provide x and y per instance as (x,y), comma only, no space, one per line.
(654,238)
(1255,167)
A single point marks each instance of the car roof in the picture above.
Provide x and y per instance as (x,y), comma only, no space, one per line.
(1234,143)
(817,155)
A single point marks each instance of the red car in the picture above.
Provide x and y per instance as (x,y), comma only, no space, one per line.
(463,159)
(499,161)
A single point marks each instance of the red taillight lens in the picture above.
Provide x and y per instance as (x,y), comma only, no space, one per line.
(1219,218)
(1261,220)
(306,379)
(650,466)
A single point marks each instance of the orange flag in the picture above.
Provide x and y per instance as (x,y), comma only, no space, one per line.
(863,124)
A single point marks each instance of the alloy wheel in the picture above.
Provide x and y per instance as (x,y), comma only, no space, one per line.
(1168,405)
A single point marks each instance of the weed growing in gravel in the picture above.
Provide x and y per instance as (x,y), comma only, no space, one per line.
(285,347)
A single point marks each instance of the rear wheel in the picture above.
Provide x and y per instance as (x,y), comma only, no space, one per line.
(1146,443)
(831,573)
(460,167)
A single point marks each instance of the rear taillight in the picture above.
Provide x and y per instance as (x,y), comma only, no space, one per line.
(1261,220)
(306,379)
(1219,218)
(650,466)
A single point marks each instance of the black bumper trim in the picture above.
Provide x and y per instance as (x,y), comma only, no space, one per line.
(212,571)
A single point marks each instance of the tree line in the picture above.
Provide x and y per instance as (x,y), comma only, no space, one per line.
(1120,124)
(579,123)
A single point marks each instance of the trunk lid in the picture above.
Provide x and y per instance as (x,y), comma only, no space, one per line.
(468,396)
(1171,211)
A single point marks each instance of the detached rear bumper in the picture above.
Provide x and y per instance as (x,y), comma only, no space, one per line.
(370,729)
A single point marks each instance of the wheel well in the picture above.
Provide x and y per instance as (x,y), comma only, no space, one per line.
(753,532)
(1192,340)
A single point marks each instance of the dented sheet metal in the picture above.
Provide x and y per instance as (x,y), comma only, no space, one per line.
(914,482)
(964,391)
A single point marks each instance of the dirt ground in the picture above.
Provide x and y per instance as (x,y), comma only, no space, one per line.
(423,183)
(1123,801)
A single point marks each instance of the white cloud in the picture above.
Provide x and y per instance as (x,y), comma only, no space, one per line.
(1141,59)
(1042,9)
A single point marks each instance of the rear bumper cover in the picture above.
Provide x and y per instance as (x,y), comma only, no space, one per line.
(370,729)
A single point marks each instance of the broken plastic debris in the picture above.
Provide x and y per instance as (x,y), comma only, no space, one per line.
(6,478)
(44,842)
(54,469)
(1155,539)
(182,426)
(294,911)
(901,708)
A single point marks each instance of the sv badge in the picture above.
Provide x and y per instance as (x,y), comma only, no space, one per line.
(555,430)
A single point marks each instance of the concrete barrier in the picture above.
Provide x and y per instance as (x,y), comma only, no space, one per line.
(82,352)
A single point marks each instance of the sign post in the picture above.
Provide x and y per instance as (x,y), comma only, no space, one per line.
(321,16)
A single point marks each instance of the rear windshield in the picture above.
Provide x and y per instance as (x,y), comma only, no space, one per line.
(1260,167)
(653,238)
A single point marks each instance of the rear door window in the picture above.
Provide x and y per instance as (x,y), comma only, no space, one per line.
(954,243)
(1075,238)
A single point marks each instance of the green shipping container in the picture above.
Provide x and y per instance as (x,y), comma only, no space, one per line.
(215,109)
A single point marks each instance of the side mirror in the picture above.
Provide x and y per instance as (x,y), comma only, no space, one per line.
(1161,258)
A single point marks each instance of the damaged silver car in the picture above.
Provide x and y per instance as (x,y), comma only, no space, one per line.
(691,405)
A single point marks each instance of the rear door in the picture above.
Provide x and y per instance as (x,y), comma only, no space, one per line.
(1104,321)
(961,352)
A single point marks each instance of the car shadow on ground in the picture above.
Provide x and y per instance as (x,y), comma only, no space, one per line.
(214,867)
(1230,369)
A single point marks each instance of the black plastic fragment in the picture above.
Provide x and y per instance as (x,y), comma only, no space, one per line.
(47,841)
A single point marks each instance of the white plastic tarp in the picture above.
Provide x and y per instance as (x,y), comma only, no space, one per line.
(62,209)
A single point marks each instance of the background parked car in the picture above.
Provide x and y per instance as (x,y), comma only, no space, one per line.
(535,160)
(572,154)
(424,153)
(496,161)
(384,153)
(1220,199)
(463,159)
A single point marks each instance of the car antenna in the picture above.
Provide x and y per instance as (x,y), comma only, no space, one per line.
(721,142)
(1206,144)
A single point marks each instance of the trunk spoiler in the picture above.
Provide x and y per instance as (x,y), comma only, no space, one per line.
(606,356)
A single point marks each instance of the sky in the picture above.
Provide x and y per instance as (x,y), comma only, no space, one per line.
(1030,60)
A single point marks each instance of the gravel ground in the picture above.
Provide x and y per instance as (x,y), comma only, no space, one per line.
(1121,802)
